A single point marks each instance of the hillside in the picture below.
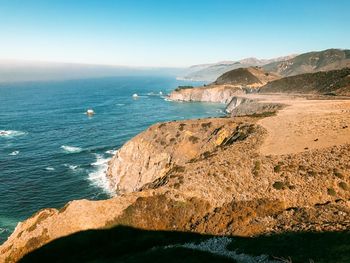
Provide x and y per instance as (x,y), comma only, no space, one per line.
(329,59)
(336,82)
(245,77)
(210,72)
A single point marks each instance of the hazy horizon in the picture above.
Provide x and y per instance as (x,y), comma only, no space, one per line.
(168,34)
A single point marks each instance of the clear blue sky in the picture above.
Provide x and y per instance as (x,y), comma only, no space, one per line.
(169,33)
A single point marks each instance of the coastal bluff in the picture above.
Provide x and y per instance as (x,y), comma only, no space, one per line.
(235,82)
(219,176)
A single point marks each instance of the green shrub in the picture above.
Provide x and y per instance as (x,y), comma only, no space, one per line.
(338,173)
(278,185)
(183,87)
(331,191)
(277,168)
(344,186)
(193,139)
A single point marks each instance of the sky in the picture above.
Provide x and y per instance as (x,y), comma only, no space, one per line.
(168,33)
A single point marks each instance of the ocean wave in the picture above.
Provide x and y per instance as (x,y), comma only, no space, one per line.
(4,230)
(120,104)
(99,176)
(111,152)
(11,133)
(160,93)
(72,167)
(50,169)
(71,149)
(14,153)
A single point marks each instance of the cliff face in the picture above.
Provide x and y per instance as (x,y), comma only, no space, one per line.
(162,147)
(212,93)
(219,176)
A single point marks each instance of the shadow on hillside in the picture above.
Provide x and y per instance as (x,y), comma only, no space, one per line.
(125,244)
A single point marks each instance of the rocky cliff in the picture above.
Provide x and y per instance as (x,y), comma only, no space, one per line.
(212,93)
(218,176)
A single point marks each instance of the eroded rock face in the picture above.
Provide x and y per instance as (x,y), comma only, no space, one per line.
(212,93)
(154,152)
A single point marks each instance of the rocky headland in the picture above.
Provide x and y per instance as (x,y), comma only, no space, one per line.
(236,82)
(277,163)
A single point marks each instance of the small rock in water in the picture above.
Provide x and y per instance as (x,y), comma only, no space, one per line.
(90,112)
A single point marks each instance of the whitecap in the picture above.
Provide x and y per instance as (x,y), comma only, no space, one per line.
(71,166)
(50,169)
(71,149)
(14,153)
(11,133)
(98,177)
(111,152)
(3,230)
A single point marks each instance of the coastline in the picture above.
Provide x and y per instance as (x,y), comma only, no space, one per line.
(231,162)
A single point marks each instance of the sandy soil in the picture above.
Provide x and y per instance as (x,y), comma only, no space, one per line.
(305,124)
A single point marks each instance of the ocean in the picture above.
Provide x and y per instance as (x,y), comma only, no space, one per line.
(51,152)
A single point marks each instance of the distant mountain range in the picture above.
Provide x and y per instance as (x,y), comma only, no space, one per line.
(310,62)
(210,72)
(291,65)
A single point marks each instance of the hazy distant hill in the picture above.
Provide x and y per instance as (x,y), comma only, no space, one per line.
(210,72)
(329,59)
(335,82)
(11,70)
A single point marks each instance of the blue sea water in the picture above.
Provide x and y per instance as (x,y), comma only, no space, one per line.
(51,152)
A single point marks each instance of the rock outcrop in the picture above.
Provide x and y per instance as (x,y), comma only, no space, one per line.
(253,108)
(163,147)
(212,93)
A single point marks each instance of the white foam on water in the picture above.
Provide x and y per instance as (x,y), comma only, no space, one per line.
(50,169)
(11,133)
(3,230)
(99,176)
(14,153)
(72,167)
(112,152)
(218,246)
(71,149)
